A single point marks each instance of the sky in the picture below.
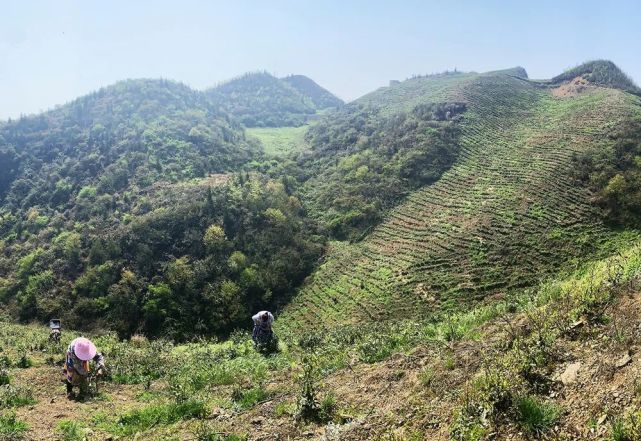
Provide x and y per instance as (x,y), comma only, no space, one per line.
(54,51)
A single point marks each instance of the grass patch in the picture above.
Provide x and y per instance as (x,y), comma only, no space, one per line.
(11,428)
(71,431)
(627,428)
(144,419)
(279,141)
(15,396)
(536,416)
(248,398)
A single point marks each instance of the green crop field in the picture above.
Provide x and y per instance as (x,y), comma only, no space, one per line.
(279,141)
(505,215)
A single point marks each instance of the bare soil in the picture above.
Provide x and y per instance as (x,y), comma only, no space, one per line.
(572,88)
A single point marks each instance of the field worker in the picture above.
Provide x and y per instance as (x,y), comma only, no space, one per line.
(262,327)
(77,364)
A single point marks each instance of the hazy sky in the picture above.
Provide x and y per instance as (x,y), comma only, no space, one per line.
(53,51)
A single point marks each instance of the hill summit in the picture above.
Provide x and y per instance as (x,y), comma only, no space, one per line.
(259,99)
(599,72)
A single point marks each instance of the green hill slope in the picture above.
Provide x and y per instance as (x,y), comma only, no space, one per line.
(322,98)
(508,212)
(136,131)
(262,100)
(126,210)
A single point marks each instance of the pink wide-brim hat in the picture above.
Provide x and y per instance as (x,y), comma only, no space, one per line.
(84,349)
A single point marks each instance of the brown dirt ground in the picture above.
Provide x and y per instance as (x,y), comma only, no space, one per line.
(53,406)
(572,88)
(387,400)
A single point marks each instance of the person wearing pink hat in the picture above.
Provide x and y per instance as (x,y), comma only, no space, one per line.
(77,368)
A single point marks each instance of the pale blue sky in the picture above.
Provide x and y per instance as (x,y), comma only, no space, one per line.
(54,51)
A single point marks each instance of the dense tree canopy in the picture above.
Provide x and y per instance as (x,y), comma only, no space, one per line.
(322,98)
(363,163)
(127,209)
(614,175)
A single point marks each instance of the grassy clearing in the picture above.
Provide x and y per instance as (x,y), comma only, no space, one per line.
(280,141)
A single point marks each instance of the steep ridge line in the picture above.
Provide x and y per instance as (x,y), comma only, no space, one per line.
(506,214)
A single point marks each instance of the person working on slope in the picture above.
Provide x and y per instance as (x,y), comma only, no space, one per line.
(77,368)
(262,333)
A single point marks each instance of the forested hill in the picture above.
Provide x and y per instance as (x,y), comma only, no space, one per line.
(134,132)
(262,100)
(322,98)
(126,209)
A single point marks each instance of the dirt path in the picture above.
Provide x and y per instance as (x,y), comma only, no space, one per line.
(53,406)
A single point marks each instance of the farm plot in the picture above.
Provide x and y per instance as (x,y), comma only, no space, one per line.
(505,215)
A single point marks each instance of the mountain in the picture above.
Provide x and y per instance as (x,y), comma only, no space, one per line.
(262,100)
(599,72)
(322,98)
(134,207)
(509,206)
(454,257)
(136,131)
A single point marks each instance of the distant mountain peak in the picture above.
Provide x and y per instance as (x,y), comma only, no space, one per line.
(259,99)
(321,97)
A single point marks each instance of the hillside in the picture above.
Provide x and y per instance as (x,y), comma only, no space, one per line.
(134,131)
(456,256)
(262,100)
(599,72)
(509,211)
(322,98)
(127,210)
(559,361)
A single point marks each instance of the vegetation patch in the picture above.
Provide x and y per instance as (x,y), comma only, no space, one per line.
(154,415)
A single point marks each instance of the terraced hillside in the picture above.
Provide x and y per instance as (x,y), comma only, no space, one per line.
(507,213)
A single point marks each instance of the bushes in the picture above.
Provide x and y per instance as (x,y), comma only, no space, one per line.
(150,416)
(15,396)
(11,429)
(364,163)
(614,175)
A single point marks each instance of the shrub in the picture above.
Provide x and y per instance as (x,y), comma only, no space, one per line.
(376,348)
(4,377)
(537,416)
(71,431)
(426,376)
(308,407)
(15,396)
(25,362)
(151,416)
(248,398)
(328,407)
(11,428)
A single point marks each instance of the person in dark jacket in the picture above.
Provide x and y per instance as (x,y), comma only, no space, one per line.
(262,327)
